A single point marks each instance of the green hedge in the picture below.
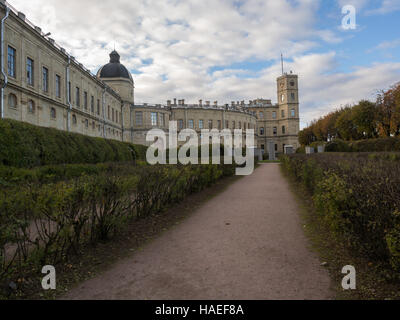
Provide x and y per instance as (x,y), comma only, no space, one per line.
(358,196)
(24,145)
(391,144)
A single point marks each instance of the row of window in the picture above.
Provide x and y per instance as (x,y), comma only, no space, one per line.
(12,103)
(30,71)
(292,114)
(157,119)
(275,130)
(210,124)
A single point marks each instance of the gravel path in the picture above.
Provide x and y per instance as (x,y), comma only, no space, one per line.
(245,243)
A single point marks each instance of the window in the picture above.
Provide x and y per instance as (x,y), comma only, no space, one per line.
(139,118)
(261,115)
(98,106)
(12,100)
(74,119)
(226,124)
(112,114)
(31,106)
(11,62)
(210,124)
(85,100)
(86,123)
(191,124)
(282,98)
(240,125)
(275,131)
(92,104)
(77,96)
(58,86)
(108,112)
(276,147)
(293,96)
(53,113)
(283,113)
(45,76)
(219,124)
(233,124)
(262,147)
(292,83)
(273,114)
(154,118)
(283,129)
(93,125)
(293,112)
(180,124)
(29,71)
(261,131)
(162,119)
(201,124)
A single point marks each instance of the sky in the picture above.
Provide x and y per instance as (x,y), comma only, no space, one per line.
(229,50)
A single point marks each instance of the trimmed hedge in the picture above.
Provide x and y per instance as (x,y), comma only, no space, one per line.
(391,144)
(46,224)
(358,196)
(25,146)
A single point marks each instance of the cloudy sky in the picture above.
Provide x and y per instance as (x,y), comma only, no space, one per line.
(229,50)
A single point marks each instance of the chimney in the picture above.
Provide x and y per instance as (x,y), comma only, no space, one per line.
(21,16)
(183,102)
(51,40)
(215,103)
(38,29)
(207,103)
(200,103)
(168,103)
(233,103)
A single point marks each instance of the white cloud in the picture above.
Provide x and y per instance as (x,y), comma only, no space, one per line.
(387,6)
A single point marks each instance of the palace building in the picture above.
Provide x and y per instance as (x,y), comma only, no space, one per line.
(43,85)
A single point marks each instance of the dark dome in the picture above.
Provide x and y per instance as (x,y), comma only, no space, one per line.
(114,69)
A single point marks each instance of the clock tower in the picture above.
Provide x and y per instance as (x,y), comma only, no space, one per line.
(288,114)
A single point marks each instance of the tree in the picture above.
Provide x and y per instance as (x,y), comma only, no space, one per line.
(306,136)
(364,118)
(345,125)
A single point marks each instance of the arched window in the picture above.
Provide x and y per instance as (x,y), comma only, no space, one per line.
(12,100)
(53,113)
(31,106)
(73,119)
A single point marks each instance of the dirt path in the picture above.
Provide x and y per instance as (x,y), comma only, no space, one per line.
(245,243)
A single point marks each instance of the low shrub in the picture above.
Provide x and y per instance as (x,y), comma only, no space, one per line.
(358,196)
(46,223)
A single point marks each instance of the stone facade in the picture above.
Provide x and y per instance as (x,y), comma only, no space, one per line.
(45,86)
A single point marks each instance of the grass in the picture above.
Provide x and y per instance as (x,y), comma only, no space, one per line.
(372,280)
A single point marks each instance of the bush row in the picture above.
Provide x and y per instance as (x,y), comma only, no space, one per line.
(46,224)
(368,145)
(25,146)
(358,197)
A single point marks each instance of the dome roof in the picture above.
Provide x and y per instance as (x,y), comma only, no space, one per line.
(114,69)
